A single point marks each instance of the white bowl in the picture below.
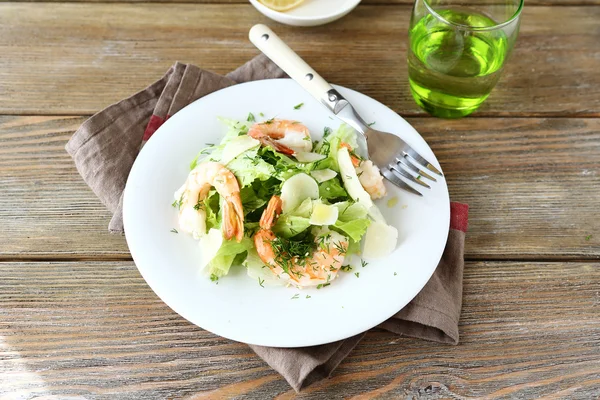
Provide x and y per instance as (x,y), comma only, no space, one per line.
(309,13)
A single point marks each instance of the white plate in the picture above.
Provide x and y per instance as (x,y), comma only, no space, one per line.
(237,307)
(309,13)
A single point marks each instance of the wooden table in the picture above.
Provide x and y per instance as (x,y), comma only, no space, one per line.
(77,319)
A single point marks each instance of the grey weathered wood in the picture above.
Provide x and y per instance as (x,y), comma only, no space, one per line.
(95,329)
(77,58)
(533,186)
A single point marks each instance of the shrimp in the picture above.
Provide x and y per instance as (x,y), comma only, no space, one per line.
(314,267)
(368,174)
(192,219)
(285,136)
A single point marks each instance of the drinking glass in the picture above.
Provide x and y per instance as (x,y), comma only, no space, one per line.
(457,51)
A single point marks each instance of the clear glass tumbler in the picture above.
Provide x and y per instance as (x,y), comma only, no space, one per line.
(457,51)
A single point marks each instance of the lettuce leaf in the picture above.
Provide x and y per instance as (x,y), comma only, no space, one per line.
(212,152)
(229,250)
(211,205)
(331,143)
(295,222)
(285,167)
(355,229)
(352,219)
(332,189)
(250,201)
(248,167)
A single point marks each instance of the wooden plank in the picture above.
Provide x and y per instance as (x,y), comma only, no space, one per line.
(95,329)
(75,59)
(533,186)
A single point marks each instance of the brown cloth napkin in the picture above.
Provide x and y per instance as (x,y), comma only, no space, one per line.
(106,145)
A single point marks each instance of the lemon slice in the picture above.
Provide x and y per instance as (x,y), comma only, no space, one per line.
(281,5)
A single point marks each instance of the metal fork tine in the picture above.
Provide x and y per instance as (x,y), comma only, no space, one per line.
(408,176)
(405,161)
(390,176)
(421,160)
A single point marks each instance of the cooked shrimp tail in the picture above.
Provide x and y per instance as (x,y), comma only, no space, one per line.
(197,186)
(271,213)
(285,136)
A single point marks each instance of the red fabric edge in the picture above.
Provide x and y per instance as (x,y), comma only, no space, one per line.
(154,123)
(459,216)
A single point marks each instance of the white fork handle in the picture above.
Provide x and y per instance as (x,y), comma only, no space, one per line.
(279,52)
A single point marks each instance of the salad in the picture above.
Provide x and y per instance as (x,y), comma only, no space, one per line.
(291,210)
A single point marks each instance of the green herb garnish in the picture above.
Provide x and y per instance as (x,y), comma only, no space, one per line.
(322,285)
(588,237)
(288,251)
(363,263)
(346,268)
(250,118)
(177,203)
(298,106)
(174,230)
(261,281)
(340,248)
(214,278)
(295,296)
(357,274)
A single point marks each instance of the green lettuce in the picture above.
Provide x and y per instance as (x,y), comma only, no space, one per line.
(248,167)
(211,206)
(332,189)
(352,219)
(294,222)
(212,152)
(225,257)
(331,143)
(285,167)
(250,200)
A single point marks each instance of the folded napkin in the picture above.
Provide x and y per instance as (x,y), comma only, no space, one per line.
(106,145)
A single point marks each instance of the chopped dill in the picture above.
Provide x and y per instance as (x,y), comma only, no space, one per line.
(340,248)
(287,252)
(174,230)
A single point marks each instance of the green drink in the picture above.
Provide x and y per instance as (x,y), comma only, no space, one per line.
(455,58)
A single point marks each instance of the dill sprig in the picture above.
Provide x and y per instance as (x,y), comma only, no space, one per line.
(289,252)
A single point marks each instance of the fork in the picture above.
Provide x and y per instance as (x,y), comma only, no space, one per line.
(396,160)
